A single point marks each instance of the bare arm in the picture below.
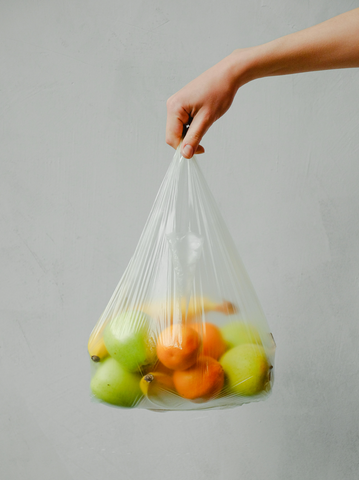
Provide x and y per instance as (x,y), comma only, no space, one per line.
(328,45)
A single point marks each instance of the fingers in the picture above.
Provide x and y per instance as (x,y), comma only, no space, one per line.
(176,118)
(199,126)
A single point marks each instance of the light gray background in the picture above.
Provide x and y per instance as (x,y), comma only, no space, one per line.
(83,97)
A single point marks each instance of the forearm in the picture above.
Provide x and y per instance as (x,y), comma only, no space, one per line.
(331,44)
(328,45)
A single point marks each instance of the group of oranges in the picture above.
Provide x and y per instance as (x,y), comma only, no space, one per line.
(190,354)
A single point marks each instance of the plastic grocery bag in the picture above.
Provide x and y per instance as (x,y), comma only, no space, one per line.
(184,329)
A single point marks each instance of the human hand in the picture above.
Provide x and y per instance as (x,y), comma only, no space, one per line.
(331,44)
(205,99)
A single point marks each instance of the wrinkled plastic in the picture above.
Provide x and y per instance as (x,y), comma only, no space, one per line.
(184,329)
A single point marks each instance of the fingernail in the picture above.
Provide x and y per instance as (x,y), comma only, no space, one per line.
(187,151)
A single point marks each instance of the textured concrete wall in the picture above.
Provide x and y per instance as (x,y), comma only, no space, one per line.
(82,96)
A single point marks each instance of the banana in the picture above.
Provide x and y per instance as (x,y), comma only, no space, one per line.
(196,307)
(156,385)
(96,345)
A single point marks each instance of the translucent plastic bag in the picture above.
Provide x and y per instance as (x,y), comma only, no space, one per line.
(184,329)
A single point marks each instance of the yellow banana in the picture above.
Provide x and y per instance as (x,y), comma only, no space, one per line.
(156,384)
(159,389)
(96,345)
(196,307)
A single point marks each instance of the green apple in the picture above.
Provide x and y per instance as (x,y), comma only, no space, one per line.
(113,384)
(247,369)
(130,339)
(239,332)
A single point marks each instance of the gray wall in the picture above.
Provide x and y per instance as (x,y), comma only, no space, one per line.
(83,109)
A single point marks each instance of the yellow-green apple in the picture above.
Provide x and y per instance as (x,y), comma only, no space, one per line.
(247,369)
(130,339)
(239,332)
(113,384)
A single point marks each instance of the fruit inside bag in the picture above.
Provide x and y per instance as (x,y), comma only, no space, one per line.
(184,329)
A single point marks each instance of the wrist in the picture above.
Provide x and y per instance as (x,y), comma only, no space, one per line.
(247,64)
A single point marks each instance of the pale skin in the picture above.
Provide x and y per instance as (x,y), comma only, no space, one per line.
(328,45)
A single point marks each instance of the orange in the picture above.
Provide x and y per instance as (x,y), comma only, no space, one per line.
(201,382)
(178,347)
(213,344)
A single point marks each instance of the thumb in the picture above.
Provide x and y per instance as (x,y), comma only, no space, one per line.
(199,126)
